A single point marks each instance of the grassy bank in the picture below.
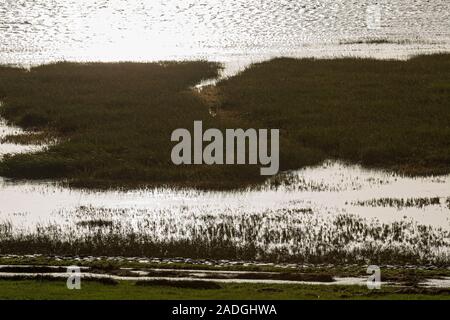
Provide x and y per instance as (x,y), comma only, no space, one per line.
(114,121)
(56,289)
(22,285)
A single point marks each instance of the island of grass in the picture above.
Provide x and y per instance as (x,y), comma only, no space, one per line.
(113,121)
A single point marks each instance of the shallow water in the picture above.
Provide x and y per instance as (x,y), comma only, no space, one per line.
(236,32)
(338,281)
(14,148)
(330,189)
(311,207)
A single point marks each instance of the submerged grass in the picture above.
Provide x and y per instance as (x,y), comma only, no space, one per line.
(113,120)
(286,235)
(387,41)
(400,203)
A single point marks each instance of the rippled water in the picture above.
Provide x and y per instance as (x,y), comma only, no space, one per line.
(234,31)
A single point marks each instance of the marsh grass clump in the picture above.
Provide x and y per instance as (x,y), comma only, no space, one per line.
(38,277)
(29,138)
(368,41)
(99,223)
(275,236)
(33,269)
(400,203)
(387,41)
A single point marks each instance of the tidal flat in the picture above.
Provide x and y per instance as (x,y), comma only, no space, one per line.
(364,152)
(113,121)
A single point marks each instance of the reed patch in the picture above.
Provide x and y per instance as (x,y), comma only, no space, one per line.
(113,121)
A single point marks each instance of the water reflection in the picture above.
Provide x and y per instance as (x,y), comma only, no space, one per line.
(236,31)
(14,148)
(319,208)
